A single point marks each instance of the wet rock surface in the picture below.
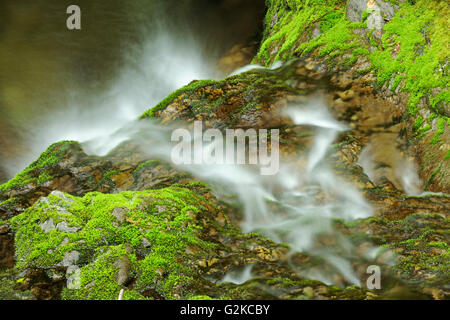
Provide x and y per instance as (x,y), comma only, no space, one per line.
(414,229)
(131,222)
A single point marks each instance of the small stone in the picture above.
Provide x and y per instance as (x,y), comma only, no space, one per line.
(61,195)
(119,213)
(48,225)
(322,290)
(43,200)
(65,241)
(70,258)
(146,243)
(346,95)
(161,208)
(221,219)
(308,291)
(316,31)
(213,261)
(64,227)
(202,263)
(310,66)
(4,229)
(124,267)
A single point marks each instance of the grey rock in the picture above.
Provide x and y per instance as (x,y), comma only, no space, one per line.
(375,20)
(71,270)
(65,241)
(386,8)
(274,20)
(61,195)
(146,243)
(70,258)
(161,208)
(420,51)
(380,11)
(120,213)
(73,275)
(316,31)
(64,227)
(124,266)
(43,200)
(354,10)
(48,225)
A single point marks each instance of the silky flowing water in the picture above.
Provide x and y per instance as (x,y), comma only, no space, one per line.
(91,85)
(59,84)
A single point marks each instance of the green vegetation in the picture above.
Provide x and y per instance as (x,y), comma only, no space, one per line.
(150,230)
(170,98)
(248,90)
(37,172)
(295,24)
(418,35)
(412,51)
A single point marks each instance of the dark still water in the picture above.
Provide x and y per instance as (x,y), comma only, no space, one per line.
(60,84)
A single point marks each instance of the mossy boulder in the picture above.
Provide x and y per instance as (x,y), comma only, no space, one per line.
(406,60)
(154,244)
(127,222)
(171,243)
(65,166)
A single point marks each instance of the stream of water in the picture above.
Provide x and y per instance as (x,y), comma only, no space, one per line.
(142,54)
(59,84)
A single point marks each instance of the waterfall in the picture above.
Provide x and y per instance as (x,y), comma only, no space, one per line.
(297,206)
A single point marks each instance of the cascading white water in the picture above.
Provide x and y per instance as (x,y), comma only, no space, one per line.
(297,206)
(284,207)
(163,54)
(400,170)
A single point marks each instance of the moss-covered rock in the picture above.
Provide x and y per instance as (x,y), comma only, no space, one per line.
(411,51)
(85,227)
(418,245)
(149,231)
(157,244)
(406,60)
(67,168)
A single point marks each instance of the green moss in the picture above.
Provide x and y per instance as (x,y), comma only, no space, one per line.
(441,245)
(8,203)
(419,122)
(10,286)
(414,28)
(439,131)
(163,217)
(201,298)
(144,165)
(417,34)
(432,176)
(295,26)
(447,155)
(250,90)
(170,98)
(98,279)
(37,172)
